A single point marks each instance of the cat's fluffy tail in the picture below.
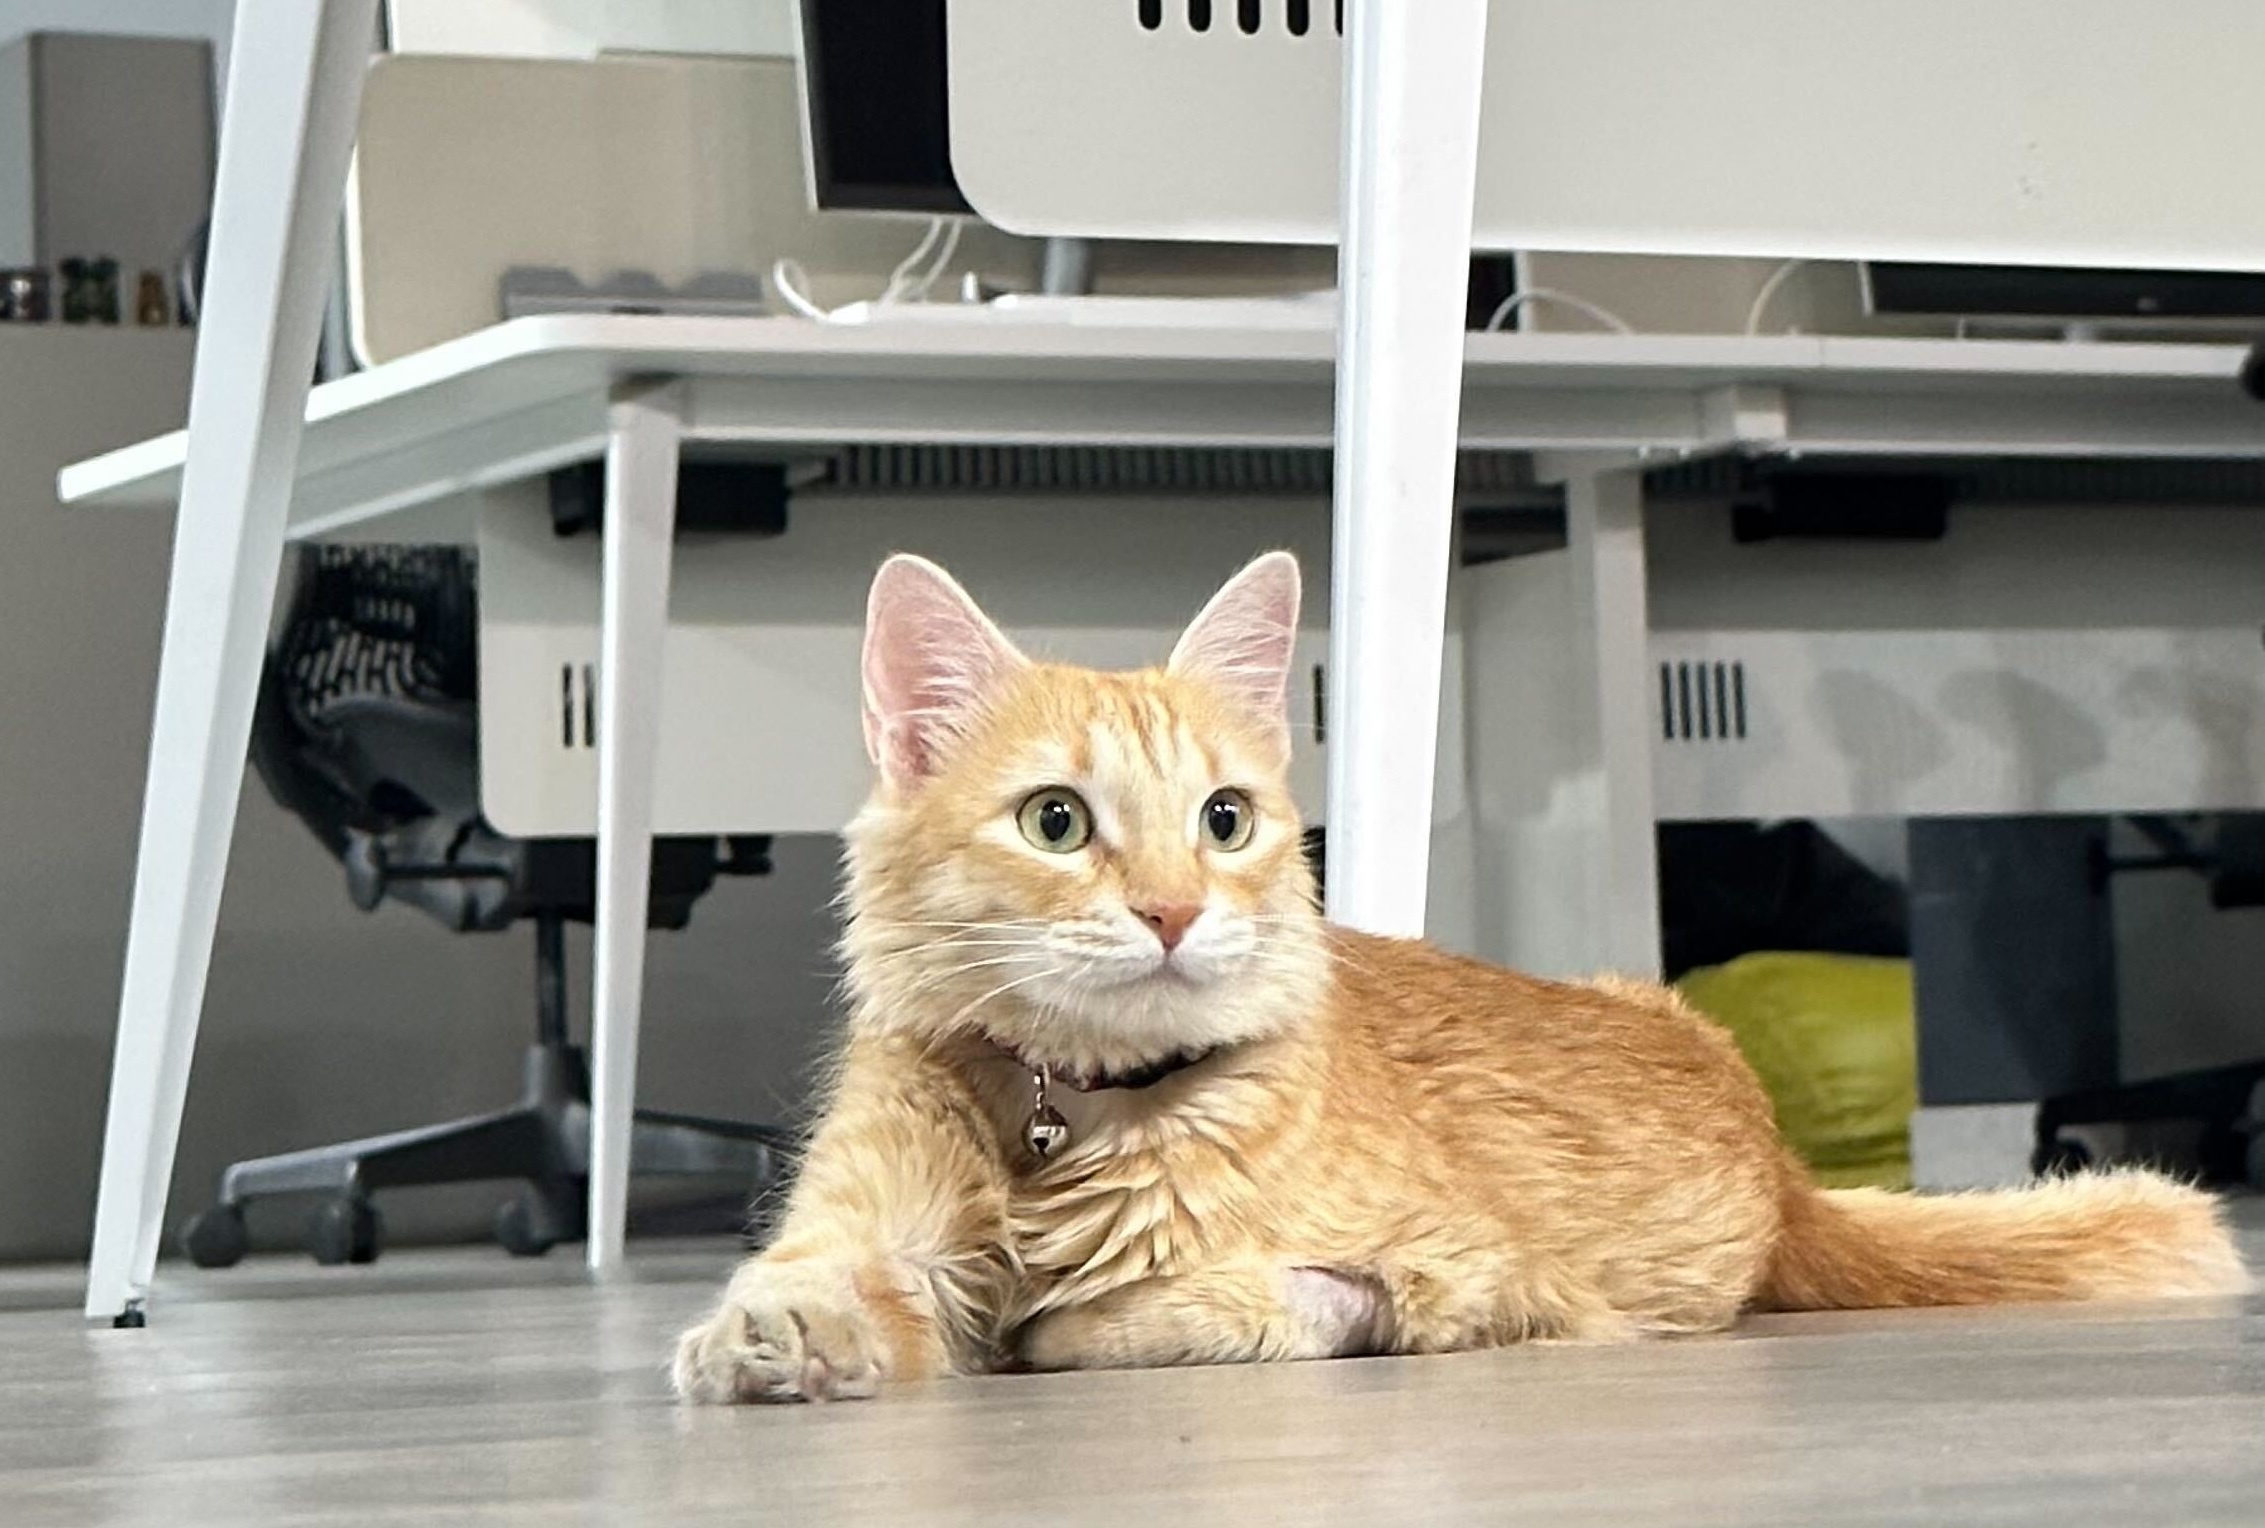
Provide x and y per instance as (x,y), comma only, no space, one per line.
(2095,1236)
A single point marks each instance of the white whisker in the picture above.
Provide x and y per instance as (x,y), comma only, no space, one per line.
(998,991)
(937,946)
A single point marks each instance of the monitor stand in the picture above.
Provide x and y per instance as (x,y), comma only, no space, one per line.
(1067,268)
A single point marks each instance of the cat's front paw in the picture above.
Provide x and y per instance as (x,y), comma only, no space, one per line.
(782,1339)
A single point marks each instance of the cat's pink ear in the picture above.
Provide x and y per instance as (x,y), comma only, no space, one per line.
(1243,639)
(932,659)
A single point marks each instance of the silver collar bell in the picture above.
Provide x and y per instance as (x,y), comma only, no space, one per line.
(1045,1130)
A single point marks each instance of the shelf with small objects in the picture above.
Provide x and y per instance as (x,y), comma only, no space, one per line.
(87,290)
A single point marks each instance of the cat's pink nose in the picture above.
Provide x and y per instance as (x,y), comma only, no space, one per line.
(1169,921)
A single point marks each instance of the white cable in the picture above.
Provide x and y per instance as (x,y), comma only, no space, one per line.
(789,283)
(911,281)
(1601,315)
(926,282)
(901,280)
(1769,290)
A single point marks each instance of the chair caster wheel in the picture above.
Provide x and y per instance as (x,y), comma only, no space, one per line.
(344,1231)
(523,1226)
(216,1238)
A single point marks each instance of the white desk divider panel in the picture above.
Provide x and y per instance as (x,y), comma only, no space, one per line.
(2064,132)
(761,654)
(2039,658)
(466,167)
(585,29)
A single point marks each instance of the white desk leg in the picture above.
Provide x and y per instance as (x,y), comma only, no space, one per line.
(287,131)
(641,456)
(1411,123)
(1604,515)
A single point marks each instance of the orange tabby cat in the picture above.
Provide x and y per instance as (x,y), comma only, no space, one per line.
(1283,1139)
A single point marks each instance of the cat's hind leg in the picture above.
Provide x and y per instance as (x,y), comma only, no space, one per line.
(1225,1315)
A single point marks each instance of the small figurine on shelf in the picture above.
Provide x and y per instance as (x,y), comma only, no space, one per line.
(90,290)
(24,295)
(152,310)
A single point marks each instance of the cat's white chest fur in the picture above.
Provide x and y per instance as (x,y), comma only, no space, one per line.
(1114,1205)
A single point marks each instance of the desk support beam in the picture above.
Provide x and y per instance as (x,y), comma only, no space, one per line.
(644,427)
(287,131)
(1410,163)
(1604,526)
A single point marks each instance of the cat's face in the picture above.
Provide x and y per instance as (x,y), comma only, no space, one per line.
(1095,871)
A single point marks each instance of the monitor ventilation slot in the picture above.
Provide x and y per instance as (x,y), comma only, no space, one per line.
(1702,701)
(1247,17)
(577,706)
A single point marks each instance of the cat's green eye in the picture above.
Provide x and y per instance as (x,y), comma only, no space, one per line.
(1055,819)
(1228,819)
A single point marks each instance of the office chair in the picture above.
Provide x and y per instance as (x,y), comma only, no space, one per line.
(367,731)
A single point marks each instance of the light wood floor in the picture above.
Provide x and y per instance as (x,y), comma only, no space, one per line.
(457,1387)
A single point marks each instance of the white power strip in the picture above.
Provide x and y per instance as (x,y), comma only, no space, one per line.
(1304,311)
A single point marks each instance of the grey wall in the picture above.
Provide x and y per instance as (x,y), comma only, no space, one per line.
(321,1022)
(207,19)
(199,20)
(94,176)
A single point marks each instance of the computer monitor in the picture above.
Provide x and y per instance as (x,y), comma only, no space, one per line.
(2047,293)
(874,110)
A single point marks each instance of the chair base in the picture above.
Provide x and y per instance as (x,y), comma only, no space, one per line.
(543,1141)
(2227,1103)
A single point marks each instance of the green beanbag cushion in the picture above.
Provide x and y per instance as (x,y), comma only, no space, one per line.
(1833,1040)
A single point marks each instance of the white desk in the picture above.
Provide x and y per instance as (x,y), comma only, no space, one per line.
(525,396)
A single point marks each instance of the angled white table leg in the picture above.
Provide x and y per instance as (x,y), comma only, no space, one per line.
(1604,516)
(1411,128)
(294,95)
(641,457)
